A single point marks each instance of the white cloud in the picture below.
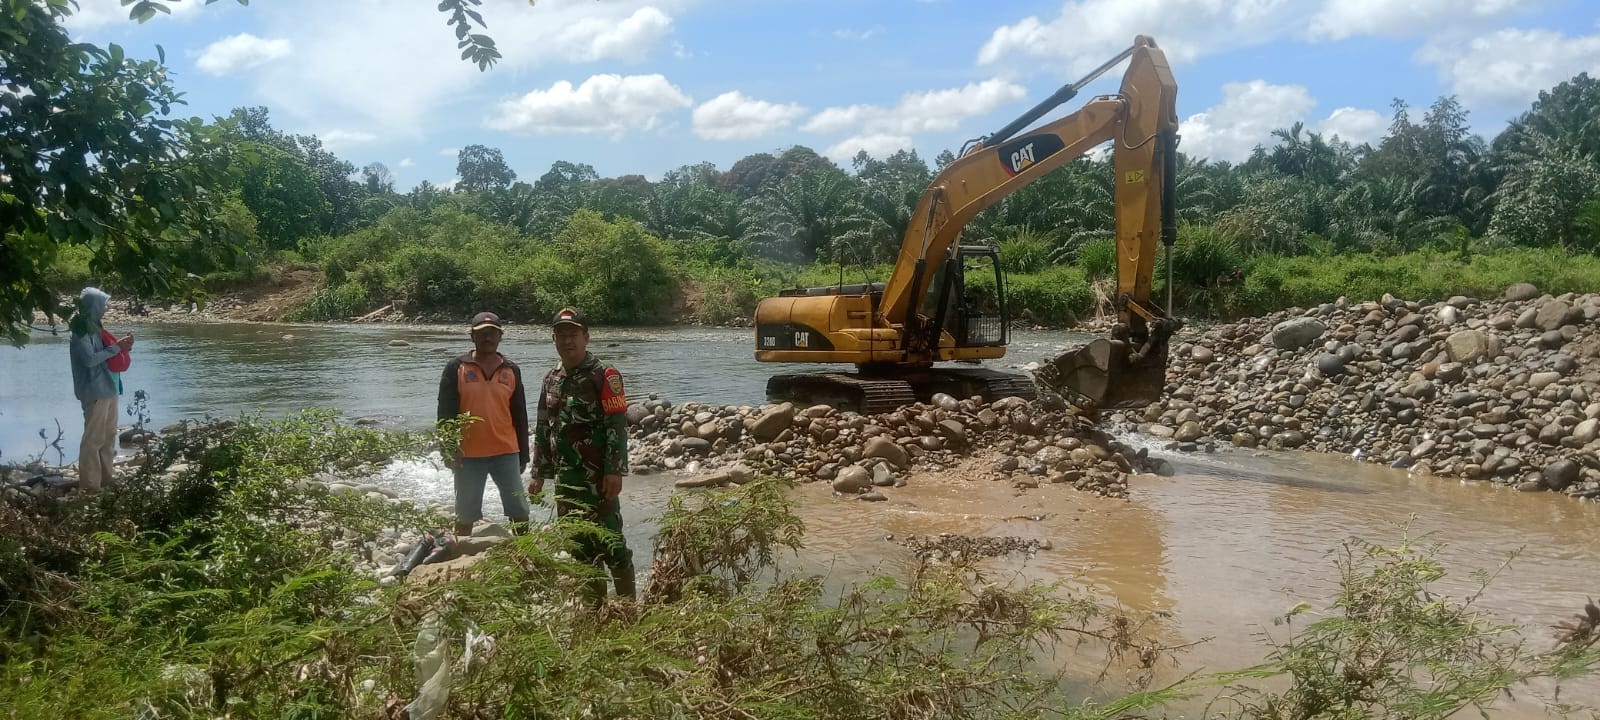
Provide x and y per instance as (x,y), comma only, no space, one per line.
(930,111)
(732,116)
(1354,125)
(597,38)
(853,34)
(1086,33)
(241,52)
(1248,114)
(1250,111)
(1089,32)
(1340,19)
(338,138)
(93,14)
(878,145)
(406,162)
(449,152)
(609,104)
(389,65)
(1508,68)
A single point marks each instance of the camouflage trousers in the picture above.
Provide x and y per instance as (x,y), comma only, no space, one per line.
(580,493)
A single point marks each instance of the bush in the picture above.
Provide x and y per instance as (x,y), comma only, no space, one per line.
(1273,283)
(1098,258)
(621,277)
(727,294)
(339,302)
(1057,296)
(1024,252)
(433,279)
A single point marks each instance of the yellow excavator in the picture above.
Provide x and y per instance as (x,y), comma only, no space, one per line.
(946,302)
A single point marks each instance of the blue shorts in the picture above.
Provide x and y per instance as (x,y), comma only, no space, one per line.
(507,474)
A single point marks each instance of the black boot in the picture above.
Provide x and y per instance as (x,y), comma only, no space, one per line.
(622,575)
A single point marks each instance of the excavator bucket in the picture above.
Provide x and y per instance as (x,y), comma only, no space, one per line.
(1100,375)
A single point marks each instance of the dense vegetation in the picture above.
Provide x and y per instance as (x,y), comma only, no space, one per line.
(216,582)
(1432,209)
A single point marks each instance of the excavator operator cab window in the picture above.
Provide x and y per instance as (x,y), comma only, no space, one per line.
(981,308)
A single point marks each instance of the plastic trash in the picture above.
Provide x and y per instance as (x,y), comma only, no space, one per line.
(479,645)
(432,657)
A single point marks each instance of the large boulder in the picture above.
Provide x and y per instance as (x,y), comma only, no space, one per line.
(1467,346)
(1297,333)
(637,413)
(955,431)
(1521,291)
(1552,315)
(772,423)
(882,447)
(852,479)
(1559,474)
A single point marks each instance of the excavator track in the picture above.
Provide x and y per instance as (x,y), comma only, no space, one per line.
(865,395)
(872,395)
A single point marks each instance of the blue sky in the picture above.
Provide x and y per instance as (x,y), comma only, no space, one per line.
(644,86)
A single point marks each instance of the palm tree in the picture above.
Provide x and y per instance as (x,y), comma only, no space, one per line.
(803,215)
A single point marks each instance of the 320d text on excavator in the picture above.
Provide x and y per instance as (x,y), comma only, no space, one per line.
(946,302)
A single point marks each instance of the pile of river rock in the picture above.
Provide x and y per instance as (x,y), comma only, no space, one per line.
(1504,390)
(863,455)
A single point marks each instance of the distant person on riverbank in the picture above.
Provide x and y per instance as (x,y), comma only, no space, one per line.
(488,386)
(582,436)
(98,359)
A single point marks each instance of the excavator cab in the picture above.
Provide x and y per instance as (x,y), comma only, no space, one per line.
(967,298)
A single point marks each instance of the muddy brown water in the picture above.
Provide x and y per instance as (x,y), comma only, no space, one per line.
(1230,541)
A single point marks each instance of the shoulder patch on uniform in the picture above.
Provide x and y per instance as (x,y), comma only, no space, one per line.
(612,397)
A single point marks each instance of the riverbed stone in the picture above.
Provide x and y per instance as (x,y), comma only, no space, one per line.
(1467,346)
(1517,292)
(852,479)
(1552,315)
(1331,364)
(1560,474)
(772,422)
(1297,333)
(881,447)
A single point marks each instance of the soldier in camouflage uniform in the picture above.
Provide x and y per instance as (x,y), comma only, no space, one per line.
(581,440)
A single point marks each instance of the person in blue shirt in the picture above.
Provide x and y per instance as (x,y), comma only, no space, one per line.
(96,387)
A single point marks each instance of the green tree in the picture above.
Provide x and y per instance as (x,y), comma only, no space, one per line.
(686,205)
(284,195)
(94,158)
(620,197)
(802,216)
(1540,200)
(1567,115)
(482,168)
(377,180)
(749,176)
(621,274)
(890,189)
(343,194)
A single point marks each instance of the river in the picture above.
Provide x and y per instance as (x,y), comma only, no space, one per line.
(1233,539)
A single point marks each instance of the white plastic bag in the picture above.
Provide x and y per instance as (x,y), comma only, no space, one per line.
(432,655)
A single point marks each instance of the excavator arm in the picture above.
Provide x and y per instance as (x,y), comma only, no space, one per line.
(1141,122)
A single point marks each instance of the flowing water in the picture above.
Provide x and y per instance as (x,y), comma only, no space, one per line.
(1233,539)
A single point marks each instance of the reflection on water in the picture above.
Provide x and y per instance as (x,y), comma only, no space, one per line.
(1230,541)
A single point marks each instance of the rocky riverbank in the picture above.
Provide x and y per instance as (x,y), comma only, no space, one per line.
(867,456)
(1504,390)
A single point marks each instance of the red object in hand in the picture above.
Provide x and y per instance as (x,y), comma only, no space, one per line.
(120,361)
